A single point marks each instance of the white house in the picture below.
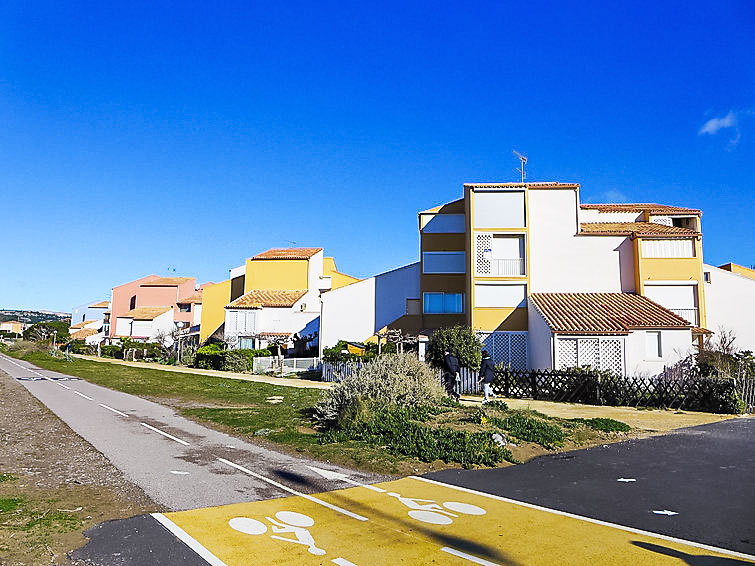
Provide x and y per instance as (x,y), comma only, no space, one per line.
(730,302)
(625,333)
(146,324)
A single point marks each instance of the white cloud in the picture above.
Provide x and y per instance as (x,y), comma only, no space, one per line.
(613,196)
(713,125)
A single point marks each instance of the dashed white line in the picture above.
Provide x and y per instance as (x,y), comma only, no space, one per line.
(294,492)
(82,395)
(165,434)
(116,411)
(63,386)
(469,557)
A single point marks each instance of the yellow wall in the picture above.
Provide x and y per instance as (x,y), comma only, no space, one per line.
(337,278)
(499,319)
(671,269)
(214,299)
(276,274)
(739,270)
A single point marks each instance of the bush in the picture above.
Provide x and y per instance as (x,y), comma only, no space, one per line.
(531,429)
(604,424)
(23,347)
(336,354)
(395,380)
(80,347)
(111,351)
(214,357)
(714,395)
(398,429)
(461,340)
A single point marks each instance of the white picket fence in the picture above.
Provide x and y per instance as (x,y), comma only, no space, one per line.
(290,365)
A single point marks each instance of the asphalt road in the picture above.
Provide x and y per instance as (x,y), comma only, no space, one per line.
(177,462)
(704,475)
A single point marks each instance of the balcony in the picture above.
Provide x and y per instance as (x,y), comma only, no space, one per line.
(690,315)
(514,267)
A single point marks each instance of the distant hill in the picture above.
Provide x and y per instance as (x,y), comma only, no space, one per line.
(32,317)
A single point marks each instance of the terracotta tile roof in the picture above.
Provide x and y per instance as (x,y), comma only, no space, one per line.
(275,334)
(166,282)
(700,331)
(552,185)
(100,305)
(81,324)
(603,313)
(652,208)
(145,313)
(195,298)
(84,333)
(634,229)
(288,253)
(257,298)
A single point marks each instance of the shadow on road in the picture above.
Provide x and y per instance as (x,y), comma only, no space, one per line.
(691,559)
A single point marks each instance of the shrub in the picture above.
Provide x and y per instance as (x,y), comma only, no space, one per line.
(604,424)
(80,347)
(531,429)
(500,405)
(398,429)
(461,340)
(23,347)
(111,351)
(399,379)
(214,357)
(209,357)
(714,395)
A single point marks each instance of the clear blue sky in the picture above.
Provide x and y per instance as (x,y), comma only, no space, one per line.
(135,139)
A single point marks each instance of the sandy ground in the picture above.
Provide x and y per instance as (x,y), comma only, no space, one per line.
(651,420)
(61,484)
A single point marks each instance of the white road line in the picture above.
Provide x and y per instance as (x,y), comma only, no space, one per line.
(82,395)
(294,492)
(591,520)
(63,386)
(469,557)
(116,411)
(188,540)
(158,431)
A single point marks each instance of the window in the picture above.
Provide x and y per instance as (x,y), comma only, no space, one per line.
(184,308)
(246,343)
(444,262)
(706,276)
(668,248)
(499,209)
(412,306)
(499,255)
(132,304)
(443,303)
(653,350)
(500,296)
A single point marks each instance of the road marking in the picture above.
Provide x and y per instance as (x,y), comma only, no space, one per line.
(179,472)
(469,557)
(331,475)
(591,520)
(342,562)
(626,480)
(188,540)
(82,395)
(665,512)
(63,386)
(165,434)
(116,411)
(294,492)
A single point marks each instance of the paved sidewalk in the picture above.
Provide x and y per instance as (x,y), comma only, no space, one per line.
(286,381)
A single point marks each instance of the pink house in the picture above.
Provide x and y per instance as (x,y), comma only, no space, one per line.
(154,291)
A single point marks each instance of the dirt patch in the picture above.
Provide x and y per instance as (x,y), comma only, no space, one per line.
(53,484)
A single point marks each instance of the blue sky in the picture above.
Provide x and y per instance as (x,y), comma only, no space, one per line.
(139,139)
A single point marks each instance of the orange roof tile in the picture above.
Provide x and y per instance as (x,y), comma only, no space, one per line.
(145,313)
(257,298)
(166,282)
(700,331)
(634,229)
(82,324)
(84,333)
(641,207)
(603,313)
(100,305)
(195,298)
(288,253)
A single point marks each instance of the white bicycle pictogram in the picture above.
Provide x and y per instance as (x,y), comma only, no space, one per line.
(429,511)
(287,522)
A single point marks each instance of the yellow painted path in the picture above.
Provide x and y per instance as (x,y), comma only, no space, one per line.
(414,521)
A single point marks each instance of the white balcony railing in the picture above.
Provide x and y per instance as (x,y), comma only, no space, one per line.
(690,315)
(501,267)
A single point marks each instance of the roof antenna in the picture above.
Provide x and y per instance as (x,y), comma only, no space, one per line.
(521,171)
(290,242)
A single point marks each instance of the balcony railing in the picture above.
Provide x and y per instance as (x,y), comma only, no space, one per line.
(690,315)
(501,267)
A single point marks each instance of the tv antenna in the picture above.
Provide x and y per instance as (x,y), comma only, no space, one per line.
(521,170)
(290,242)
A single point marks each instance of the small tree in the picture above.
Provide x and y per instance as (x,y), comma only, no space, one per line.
(461,340)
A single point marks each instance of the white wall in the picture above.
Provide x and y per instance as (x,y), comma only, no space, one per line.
(675,345)
(730,303)
(597,216)
(355,312)
(540,339)
(197,315)
(123,326)
(560,261)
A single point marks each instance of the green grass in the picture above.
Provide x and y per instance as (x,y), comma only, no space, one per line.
(7,477)
(604,424)
(10,504)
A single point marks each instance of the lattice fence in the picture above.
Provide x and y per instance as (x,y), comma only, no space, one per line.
(507,348)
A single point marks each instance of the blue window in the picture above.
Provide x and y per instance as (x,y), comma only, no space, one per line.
(443,303)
